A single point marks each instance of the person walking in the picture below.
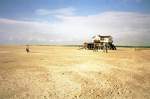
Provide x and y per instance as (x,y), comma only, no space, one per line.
(27,49)
(105,48)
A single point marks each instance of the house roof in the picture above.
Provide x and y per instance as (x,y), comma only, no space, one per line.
(102,36)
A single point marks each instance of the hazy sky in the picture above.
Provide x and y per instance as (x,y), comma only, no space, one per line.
(74,21)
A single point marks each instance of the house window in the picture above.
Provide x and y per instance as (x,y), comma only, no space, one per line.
(102,38)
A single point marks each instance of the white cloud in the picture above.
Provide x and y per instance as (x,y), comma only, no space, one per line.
(61,11)
(126,28)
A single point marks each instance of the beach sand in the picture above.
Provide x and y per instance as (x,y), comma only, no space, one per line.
(61,72)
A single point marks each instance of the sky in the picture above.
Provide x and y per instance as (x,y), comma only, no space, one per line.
(74,21)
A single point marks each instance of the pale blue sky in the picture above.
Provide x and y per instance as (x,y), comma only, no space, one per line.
(26,8)
(74,21)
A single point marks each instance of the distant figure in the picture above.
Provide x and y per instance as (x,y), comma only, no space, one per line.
(27,49)
(105,48)
(96,47)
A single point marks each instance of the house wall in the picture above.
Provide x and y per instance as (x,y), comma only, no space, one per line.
(107,40)
(102,39)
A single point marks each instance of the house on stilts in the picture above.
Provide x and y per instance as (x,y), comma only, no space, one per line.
(99,42)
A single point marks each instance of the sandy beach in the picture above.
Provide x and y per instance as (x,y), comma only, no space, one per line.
(63,72)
